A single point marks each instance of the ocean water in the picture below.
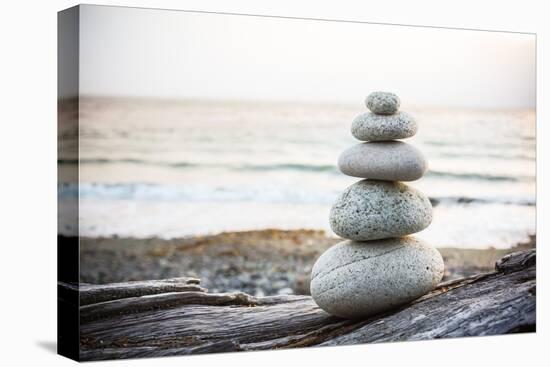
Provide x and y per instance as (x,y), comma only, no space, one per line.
(181,168)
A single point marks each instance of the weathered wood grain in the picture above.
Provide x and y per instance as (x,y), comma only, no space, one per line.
(193,322)
(96,293)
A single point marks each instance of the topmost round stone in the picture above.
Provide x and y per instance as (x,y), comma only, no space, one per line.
(383,103)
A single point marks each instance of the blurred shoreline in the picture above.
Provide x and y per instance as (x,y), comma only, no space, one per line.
(177,168)
(259,262)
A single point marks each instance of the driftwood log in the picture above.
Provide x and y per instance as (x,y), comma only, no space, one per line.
(177,316)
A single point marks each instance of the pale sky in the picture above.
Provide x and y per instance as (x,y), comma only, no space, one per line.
(175,54)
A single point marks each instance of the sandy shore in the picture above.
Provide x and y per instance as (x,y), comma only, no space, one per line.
(261,262)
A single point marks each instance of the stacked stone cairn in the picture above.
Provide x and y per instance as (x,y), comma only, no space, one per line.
(379,267)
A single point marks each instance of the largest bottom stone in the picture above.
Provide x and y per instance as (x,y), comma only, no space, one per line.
(359,279)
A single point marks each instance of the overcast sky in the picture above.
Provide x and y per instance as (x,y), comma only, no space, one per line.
(140,52)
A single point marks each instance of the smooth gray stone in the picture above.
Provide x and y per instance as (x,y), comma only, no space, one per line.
(382,103)
(359,279)
(371,210)
(371,127)
(383,160)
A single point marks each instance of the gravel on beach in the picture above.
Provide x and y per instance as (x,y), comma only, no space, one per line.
(261,263)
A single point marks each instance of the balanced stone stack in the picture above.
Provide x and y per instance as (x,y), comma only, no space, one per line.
(379,267)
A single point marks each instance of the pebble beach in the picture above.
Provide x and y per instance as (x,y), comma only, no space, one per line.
(261,262)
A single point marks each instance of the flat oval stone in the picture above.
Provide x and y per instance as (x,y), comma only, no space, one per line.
(383,160)
(360,279)
(371,127)
(382,103)
(371,210)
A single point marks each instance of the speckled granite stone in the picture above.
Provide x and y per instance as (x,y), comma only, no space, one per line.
(371,127)
(382,103)
(371,210)
(383,160)
(358,279)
